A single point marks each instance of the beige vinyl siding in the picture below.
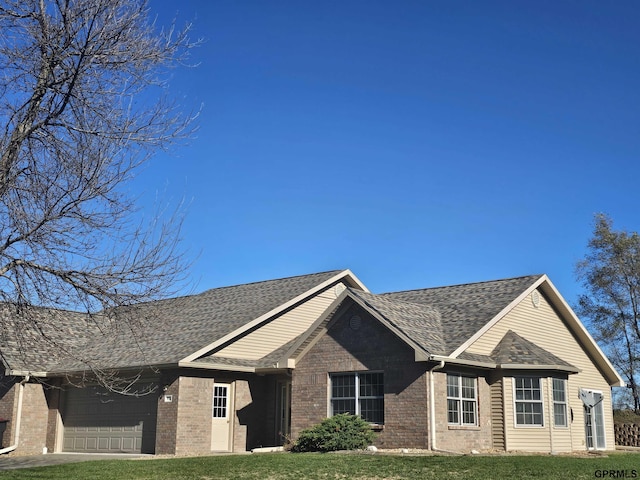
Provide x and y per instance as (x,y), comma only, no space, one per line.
(530,438)
(561,440)
(497,415)
(281,330)
(544,327)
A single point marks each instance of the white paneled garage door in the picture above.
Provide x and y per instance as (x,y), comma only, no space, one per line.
(96,420)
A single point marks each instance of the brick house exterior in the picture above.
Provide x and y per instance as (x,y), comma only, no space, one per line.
(501,365)
(371,347)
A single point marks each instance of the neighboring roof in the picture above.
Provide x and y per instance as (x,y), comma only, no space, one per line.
(166,331)
(465,309)
(514,351)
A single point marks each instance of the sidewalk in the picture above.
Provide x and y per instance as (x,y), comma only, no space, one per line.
(31,461)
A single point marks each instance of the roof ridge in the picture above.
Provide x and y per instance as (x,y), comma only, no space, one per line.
(536,276)
(224,287)
(272,280)
(384,297)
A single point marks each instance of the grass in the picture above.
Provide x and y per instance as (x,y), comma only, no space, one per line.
(341,466)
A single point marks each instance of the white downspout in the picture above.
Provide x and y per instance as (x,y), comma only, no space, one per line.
(432,404)
(18,418)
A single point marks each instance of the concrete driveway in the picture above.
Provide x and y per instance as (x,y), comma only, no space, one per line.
(30,461)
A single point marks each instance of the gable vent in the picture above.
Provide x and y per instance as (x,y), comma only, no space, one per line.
(535,298)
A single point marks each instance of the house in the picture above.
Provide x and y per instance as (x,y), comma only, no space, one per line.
(500,365)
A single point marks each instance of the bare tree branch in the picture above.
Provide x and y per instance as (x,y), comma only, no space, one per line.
(83,105)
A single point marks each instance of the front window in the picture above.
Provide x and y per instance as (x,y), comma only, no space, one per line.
(528,401)
(462,400)
(358,394)
(559,402)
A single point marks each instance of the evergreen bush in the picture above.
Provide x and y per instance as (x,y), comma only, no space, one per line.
(340,432)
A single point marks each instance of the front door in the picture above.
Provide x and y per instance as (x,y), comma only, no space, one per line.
(221,417)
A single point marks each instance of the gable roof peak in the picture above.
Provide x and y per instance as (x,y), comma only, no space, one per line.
(514,349)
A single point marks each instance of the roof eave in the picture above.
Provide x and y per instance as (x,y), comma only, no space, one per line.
(26,373)
(501,366)
(218,366)
(271,370)
(461,361)
(525,366)
(612,375)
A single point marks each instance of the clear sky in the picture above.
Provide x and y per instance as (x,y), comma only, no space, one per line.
(418,143)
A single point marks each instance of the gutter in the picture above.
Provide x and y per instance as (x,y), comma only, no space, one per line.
(18,417)
(461,361)
(217,366)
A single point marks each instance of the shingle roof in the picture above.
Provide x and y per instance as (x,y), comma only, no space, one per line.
(167,331)
(465,309)
(516,350)
(47,338)
(438,320)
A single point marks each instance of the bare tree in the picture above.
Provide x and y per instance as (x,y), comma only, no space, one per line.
(83,105)
(610,273)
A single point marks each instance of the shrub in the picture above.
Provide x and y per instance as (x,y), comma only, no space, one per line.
(626,416)
(340,432)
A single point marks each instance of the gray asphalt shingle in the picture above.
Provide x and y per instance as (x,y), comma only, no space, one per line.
(465,309)
(166,331)
(516,350)
(438,319)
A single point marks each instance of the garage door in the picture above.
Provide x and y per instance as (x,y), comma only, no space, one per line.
(96,420)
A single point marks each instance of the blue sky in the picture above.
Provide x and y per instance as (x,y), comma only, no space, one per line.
(416,143)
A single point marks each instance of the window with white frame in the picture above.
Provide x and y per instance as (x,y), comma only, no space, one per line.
(220,401)
(462,400)
(528,401)
(358,393)
(560,402)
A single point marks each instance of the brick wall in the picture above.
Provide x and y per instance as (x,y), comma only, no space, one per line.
(459,438)
(8,399)
(185,425)
(370,347)
(35,415)
(167,416)
(53,415)
(195,403)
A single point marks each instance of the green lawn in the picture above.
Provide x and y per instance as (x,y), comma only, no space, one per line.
(342,466)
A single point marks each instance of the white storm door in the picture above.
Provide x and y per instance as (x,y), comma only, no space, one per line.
(221,417)
(594,423)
